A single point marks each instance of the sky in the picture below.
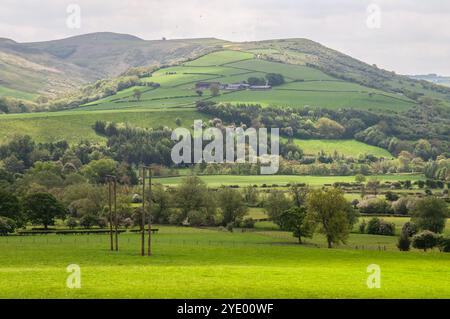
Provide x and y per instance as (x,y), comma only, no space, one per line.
(406,36)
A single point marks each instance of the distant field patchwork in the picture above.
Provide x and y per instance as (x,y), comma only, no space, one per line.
(176,98)
(218,180)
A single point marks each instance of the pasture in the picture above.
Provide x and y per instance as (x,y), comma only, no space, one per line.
(74,126)
(4,91)
(209,263)
(343,147)
(269,180)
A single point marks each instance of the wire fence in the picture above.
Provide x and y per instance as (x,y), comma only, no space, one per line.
(98,240)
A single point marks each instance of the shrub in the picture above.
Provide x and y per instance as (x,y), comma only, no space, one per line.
(362,227)
(404,243)
(88,221)
(127,222)
(390,196)
(71,223)
(7,225)
(248,223)
(196,218)
(425,240)
(374,206)
(102,222)
(410,229)
(378,226)
(230,227)
(444,244)
(403,205)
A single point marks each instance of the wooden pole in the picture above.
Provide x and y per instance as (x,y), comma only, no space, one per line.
(116,221)
(110,215)
(143,214)
(149,251)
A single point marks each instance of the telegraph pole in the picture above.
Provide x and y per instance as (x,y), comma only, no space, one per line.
(112,191)
(149,252)
(116,221)
(143,213)
(110,213)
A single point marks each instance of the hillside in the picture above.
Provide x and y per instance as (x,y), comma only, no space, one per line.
(57,66)
(304,85)
(54,67)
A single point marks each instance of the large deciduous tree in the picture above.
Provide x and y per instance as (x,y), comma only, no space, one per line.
(295,220)
(43,208)
(430,213)
(330,210)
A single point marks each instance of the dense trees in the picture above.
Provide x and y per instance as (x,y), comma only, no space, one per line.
(232,205)
(196,204)
(275,79)
(276,204)
(428,126)
(10,206)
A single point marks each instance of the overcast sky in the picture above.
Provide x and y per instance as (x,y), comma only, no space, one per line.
(407,36)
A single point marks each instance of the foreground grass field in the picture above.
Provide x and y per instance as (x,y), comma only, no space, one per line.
(202,263)
(218,180)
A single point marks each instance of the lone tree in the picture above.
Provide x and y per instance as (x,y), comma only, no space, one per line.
(232,205)
(137,94)
(295,220)
(215,90)
(330,210)
(43,208)
(430,214)
(199,92)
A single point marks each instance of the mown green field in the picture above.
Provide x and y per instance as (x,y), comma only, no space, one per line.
(218,180)
(344,147)
(202,263)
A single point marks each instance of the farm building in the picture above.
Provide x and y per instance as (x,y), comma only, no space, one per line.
(206,85)
(236,86)
(260,87)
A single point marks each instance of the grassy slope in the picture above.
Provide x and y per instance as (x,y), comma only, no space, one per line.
(193,263)
(4,91)
(217,180)
(318,88)
(345,147)
(76,125)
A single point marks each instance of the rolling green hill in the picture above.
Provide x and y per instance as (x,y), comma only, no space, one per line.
(315,76)
(57,66)
(176,98)
(304,86)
